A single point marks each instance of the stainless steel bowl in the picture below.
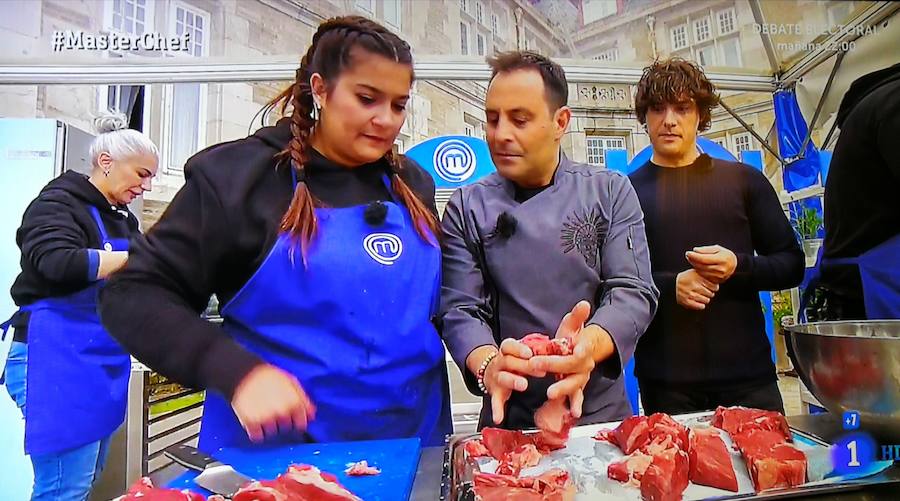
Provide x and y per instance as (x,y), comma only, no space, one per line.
(852,365)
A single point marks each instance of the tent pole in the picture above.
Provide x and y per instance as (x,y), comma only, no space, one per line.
(764,36)
(812,123)
(749,129)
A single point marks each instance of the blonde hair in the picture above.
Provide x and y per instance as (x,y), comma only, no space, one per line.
(116,139)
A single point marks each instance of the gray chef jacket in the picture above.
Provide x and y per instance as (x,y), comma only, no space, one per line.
(582,238)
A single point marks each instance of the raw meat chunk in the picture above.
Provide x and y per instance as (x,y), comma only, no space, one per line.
(663,425)
(554,420)
(606,436)
(710,462)
(543,345)
(299,483)
(667,476)
(636,432)
(361,468)
(755,441)
(762,437)
(553,485)
(785,467)
(772,462)
(515,461)
(498,441)
(476,449)
(631,469)
(143,490)
(734,420)
(632,433)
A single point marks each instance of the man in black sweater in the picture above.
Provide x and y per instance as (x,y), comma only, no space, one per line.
(717,236)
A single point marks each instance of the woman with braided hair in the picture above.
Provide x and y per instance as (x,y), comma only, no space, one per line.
(322,246)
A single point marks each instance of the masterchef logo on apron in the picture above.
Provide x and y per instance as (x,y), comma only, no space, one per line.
(384,248)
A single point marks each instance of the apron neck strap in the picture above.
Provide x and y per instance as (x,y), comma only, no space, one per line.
(387,184)
(95,213)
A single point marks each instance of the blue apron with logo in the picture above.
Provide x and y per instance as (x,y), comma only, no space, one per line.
(353,326)
(77,377)
(879,272)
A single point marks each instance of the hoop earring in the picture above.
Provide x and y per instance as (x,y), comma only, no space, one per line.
(316,111)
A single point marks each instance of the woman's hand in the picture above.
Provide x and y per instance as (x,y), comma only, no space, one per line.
(269,401)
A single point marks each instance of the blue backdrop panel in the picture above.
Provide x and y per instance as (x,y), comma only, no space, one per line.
(705,145)
(453,161)
(753,157)
(617,160)
(791,130)
(824,164)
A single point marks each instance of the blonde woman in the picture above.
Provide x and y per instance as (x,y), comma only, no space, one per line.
(74,375)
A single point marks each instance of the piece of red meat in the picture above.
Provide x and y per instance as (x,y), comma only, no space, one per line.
(632,433)
(552,485)
(710,462)
(771,461)
(631,469)
(476,449)
(667,476)
(299,483)
(663,425)
(499,442)
(784,466)
(544,345)
(734,420)
(515,461)
(361,468)
(554,420)
(756,441)
(143,490)
(636,432)
(606,436)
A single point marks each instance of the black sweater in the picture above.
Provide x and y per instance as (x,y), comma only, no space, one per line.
(59,240)
(706,203)
(862,206)
(211,239)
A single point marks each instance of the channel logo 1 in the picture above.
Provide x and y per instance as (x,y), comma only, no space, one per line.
(856,452)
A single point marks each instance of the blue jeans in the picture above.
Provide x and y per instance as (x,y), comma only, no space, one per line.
(14,374)
(58,476)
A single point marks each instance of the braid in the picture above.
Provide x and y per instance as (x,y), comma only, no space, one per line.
(425,221)
(300,219)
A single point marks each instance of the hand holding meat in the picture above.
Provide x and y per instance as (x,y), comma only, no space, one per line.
(592,345)
(714,262)
(693,291)
(505,374)
(269,401)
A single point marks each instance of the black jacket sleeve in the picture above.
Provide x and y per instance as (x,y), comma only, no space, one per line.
(152,306)
(779,261)
(55,244)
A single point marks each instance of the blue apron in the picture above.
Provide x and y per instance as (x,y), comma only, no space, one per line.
(879,271)
(354,327)
(77,377)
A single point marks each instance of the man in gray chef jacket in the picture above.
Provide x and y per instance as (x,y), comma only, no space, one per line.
(545,245)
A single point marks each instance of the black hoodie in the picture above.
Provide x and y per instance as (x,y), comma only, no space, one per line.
(862,192)
(211,239)
(58,236)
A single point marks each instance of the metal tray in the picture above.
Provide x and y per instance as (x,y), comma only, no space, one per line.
(586,460)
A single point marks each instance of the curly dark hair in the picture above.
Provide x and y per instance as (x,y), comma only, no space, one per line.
(671,81)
